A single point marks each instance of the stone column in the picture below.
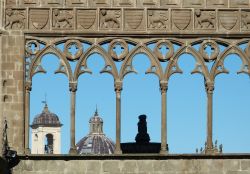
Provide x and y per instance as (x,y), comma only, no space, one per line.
(73,89)
(118,89)
(209,145)
(164,87)
(27,117)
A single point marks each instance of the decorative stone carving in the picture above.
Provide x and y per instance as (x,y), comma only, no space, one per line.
(10,3)
(147,2)
(170,3)
(228,19)
(245,20)
(134,19)
(239,3)
(212,55)
(159,45)
(38,18)
(182,19)
(51,2)
(76,3)
(193,3)
(123,45)
(86,19)
(15,18)
(30,2)
(62,19)
(125,3)
(98,3)
(32,47)
(217,3)
(157,19)
(205,19)
(78,49)
(110,19)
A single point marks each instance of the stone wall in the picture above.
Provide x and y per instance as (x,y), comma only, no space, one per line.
(172,166)
(12,87)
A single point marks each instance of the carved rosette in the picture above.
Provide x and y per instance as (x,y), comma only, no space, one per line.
(170,50)
(39,19)
(158,19)
(214,50)
(78,48)
(15,19)
(32,47)
(86,19)
(123,46)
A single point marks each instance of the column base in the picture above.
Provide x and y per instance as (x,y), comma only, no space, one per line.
(73,151)
(118,150)
(214,150)
(163,152)
(27,151)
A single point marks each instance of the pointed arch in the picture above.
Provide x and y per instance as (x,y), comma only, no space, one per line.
(50,50)
(83,62)
(155,67)
(220,61)
(200,63)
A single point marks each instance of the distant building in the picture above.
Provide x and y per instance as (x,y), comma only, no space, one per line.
(96,141)
(46,133)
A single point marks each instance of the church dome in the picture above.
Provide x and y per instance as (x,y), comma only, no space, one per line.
(96,141)
(46,118)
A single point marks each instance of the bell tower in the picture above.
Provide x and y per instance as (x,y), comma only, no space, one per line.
(46,133)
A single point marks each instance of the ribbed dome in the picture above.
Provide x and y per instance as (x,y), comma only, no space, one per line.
(46,118)
(95,142)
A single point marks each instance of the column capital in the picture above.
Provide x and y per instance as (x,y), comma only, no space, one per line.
(118,86)
(28,86)
(209,87)
(163,86)
(73,86)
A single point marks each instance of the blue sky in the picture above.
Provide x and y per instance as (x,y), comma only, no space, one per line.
(186,104)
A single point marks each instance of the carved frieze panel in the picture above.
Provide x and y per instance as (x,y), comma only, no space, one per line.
(99,3)
(62,19)
(228,20)
(52,2)
(30,2)
(157,19)
(110,19)
(76,3)
(182,19)
(39,18)
(205,19)
(15,19)
(10,3)
(239,3)
(86,19)
(146,3)
(134,19)
(217,3)
(124,3)
(245,20)
(194,3)
(170,3)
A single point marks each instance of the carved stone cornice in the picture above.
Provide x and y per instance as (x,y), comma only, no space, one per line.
(207,20)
